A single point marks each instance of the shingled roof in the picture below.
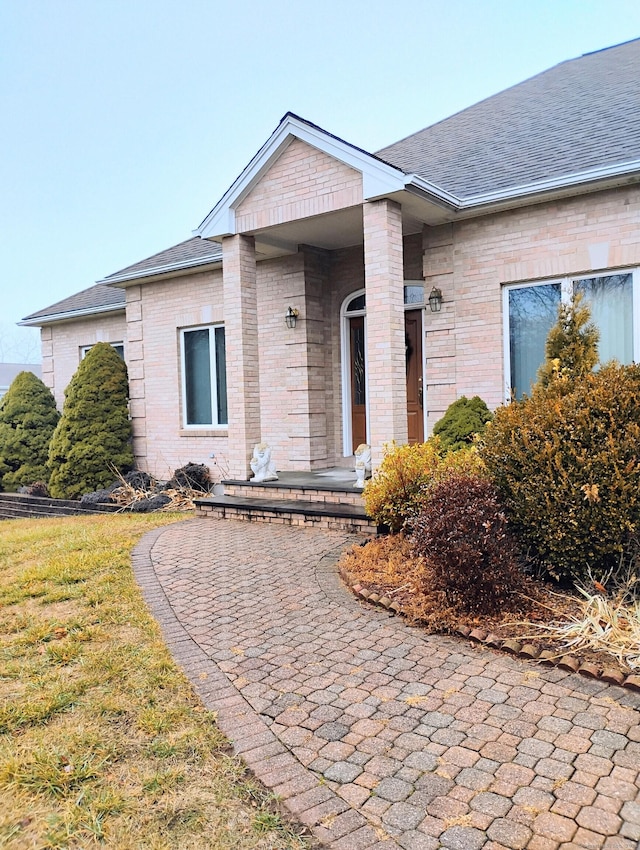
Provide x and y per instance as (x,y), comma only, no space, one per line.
(95,299)
(579,115)
(104,297)
(191,252)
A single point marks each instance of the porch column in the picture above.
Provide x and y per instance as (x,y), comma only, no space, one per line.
(386,358)
(241,340)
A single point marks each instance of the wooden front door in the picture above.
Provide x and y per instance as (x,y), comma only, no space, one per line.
(413,346)
(358,382)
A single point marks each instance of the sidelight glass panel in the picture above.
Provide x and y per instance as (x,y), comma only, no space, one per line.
(359,383)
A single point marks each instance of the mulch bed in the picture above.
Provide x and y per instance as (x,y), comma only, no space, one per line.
(385,572)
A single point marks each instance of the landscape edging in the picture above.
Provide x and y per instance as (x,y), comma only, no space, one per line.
(528,650)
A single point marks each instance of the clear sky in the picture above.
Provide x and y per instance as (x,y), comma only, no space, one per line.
(124,121)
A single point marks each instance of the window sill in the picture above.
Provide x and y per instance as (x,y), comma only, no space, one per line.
(204,432)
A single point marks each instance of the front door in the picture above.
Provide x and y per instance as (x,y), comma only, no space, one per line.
(413,346)
(358,382)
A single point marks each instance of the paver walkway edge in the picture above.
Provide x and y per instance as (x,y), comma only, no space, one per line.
(373,734)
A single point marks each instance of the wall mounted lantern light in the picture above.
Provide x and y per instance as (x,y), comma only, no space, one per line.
(291,316)
(435,300)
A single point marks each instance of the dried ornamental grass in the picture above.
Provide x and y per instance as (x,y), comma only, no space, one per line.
(603,625)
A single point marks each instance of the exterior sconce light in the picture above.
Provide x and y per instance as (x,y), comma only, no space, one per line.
(291,317)
(435,300)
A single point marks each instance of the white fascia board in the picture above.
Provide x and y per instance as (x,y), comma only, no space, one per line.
(378,177)
(433,192)
(567,181)
(553,184)
(71,314)
(158,270)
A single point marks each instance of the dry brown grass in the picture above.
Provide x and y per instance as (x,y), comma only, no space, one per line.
(389,566)
(102,740)
(601,628)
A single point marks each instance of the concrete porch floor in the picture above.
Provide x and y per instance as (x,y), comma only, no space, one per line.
(335,478)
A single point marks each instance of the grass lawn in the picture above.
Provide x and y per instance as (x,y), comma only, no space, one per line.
(102,740)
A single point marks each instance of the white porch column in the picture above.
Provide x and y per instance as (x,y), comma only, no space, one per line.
(386,358)
(241,340)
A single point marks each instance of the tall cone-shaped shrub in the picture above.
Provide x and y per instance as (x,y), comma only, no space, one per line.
(571,350)
(94,433)
(28,417)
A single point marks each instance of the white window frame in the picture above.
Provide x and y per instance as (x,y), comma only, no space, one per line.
(566,291)
(85,349)
(199,426)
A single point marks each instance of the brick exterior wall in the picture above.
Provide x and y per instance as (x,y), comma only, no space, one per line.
(302,182)
(472,260)
(156,313)
(62,344)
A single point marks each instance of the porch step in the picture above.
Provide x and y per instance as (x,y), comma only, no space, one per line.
(298,488)
(313,514)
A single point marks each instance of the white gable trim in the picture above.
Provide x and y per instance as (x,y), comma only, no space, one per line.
(378,178)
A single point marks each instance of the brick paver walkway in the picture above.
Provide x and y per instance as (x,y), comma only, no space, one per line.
(372,733)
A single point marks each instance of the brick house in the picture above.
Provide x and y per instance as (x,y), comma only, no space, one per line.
(499,213)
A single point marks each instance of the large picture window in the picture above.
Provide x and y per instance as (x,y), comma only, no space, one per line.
(204,376)
(531,310)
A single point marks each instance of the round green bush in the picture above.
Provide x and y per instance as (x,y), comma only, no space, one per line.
(462,420)
(566,462)
(93,436)
(28,417)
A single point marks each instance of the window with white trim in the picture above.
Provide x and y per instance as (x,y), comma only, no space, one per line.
(118,346)
(204,376)
(531,310)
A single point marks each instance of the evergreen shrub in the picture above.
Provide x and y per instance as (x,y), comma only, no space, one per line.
(93,436)
(399,487)
(566,462)
(462,420)
(471,557)
(28,417)
(571,349)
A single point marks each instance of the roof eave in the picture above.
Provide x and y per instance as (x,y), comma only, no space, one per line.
(595,179)
(69,315)
(167,270)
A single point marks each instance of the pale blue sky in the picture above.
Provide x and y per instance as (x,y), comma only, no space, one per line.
(125,120)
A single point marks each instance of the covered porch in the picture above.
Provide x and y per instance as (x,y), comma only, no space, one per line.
(301,237)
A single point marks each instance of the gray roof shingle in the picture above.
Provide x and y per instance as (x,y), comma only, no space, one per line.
(94,298)
(191,252)
(578,115)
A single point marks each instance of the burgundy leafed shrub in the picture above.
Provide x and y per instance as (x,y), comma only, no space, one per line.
(471,557)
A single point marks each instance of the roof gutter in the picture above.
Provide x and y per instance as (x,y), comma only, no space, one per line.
(121,277)
(37,321)
(607,173)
